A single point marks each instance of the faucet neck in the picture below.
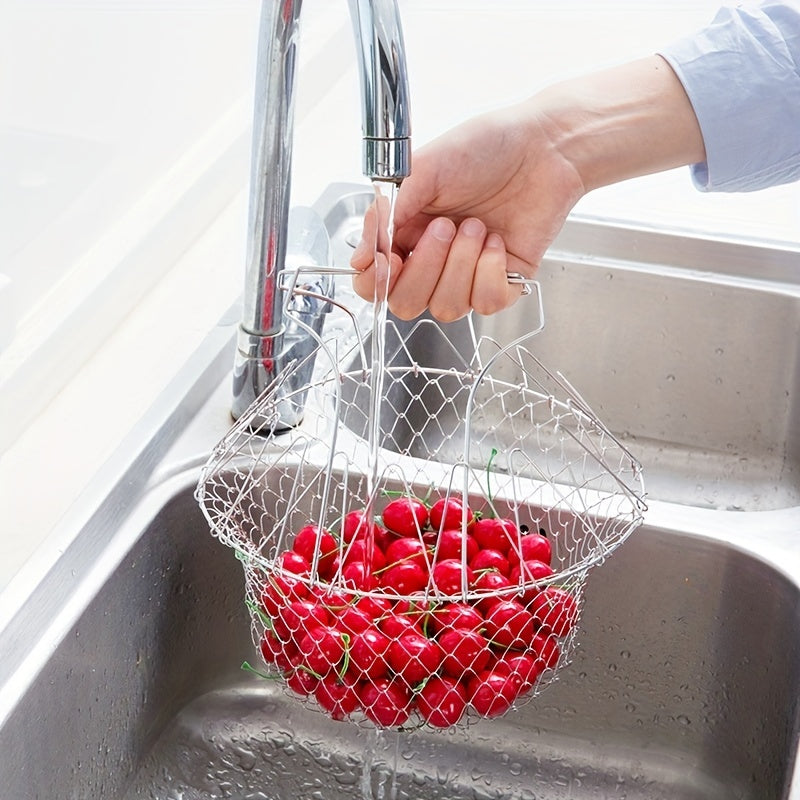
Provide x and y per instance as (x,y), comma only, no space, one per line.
(385,111)
(271,164)
(266,344)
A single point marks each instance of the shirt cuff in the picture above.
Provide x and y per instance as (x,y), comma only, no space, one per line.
(741,76)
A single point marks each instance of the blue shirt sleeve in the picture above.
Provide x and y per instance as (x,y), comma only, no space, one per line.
(742,76)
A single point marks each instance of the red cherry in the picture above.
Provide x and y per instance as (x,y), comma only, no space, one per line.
(492,693)
(532,547)
(465,651)
(322,649)
(456,615)
(394,625)
(525,668)
(510,624)
(452,542)
(356,525)
(492,583)
(442,701)
(353,619)
(405,516)
(314,542)
(545,646)
(413,657)
(368,649)
(359,577)
(528,573)
(495,533)
(407,550)
(337,695)
(386,702)
(451,577)
(374,606)
(275,651)
(404,578)
(294,562)
(297,618)
(301,681)
(449,512)
(489,559)
(360,551)
(555,609)
(279,591)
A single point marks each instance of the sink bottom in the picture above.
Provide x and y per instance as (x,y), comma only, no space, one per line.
(254,742)
(684,685)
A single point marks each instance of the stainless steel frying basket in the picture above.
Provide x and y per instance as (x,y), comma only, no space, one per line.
(493,434)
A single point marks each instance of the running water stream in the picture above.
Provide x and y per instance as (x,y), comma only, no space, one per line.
(385,197)
(379,784)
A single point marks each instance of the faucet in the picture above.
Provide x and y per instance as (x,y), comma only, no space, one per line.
(271,350)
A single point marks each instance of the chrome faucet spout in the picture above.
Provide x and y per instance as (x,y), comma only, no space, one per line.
(266,344)
(386,120)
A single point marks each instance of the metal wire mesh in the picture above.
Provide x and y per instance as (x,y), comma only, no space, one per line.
(439,578)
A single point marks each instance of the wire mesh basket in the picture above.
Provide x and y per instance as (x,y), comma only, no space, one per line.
(420,558)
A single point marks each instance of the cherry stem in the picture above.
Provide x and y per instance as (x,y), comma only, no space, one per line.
(489,477)
(346,659)
(256,609)
(248,667)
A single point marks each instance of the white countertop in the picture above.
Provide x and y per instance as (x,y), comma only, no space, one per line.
(492,54)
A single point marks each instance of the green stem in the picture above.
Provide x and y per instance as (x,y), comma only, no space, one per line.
(310,671)
(489,476)
(346,659)
(256,609)
(248,667)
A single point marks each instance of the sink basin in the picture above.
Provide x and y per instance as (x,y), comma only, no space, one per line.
(120,667)
(684,685)
(680,351)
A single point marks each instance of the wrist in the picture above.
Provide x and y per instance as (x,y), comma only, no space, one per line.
(621,123)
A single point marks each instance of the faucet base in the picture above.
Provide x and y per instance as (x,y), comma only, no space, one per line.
(282,358)
(250,379)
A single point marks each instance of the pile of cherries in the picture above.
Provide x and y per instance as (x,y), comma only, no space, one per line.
(383,628)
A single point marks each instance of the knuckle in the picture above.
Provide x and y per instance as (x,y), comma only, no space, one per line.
(403,311)
(486,303)
(445,313)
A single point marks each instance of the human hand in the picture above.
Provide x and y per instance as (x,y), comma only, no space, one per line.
(482,201)
(489,197)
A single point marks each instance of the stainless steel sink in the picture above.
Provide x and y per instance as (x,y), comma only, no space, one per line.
(120,669)
(684,686)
